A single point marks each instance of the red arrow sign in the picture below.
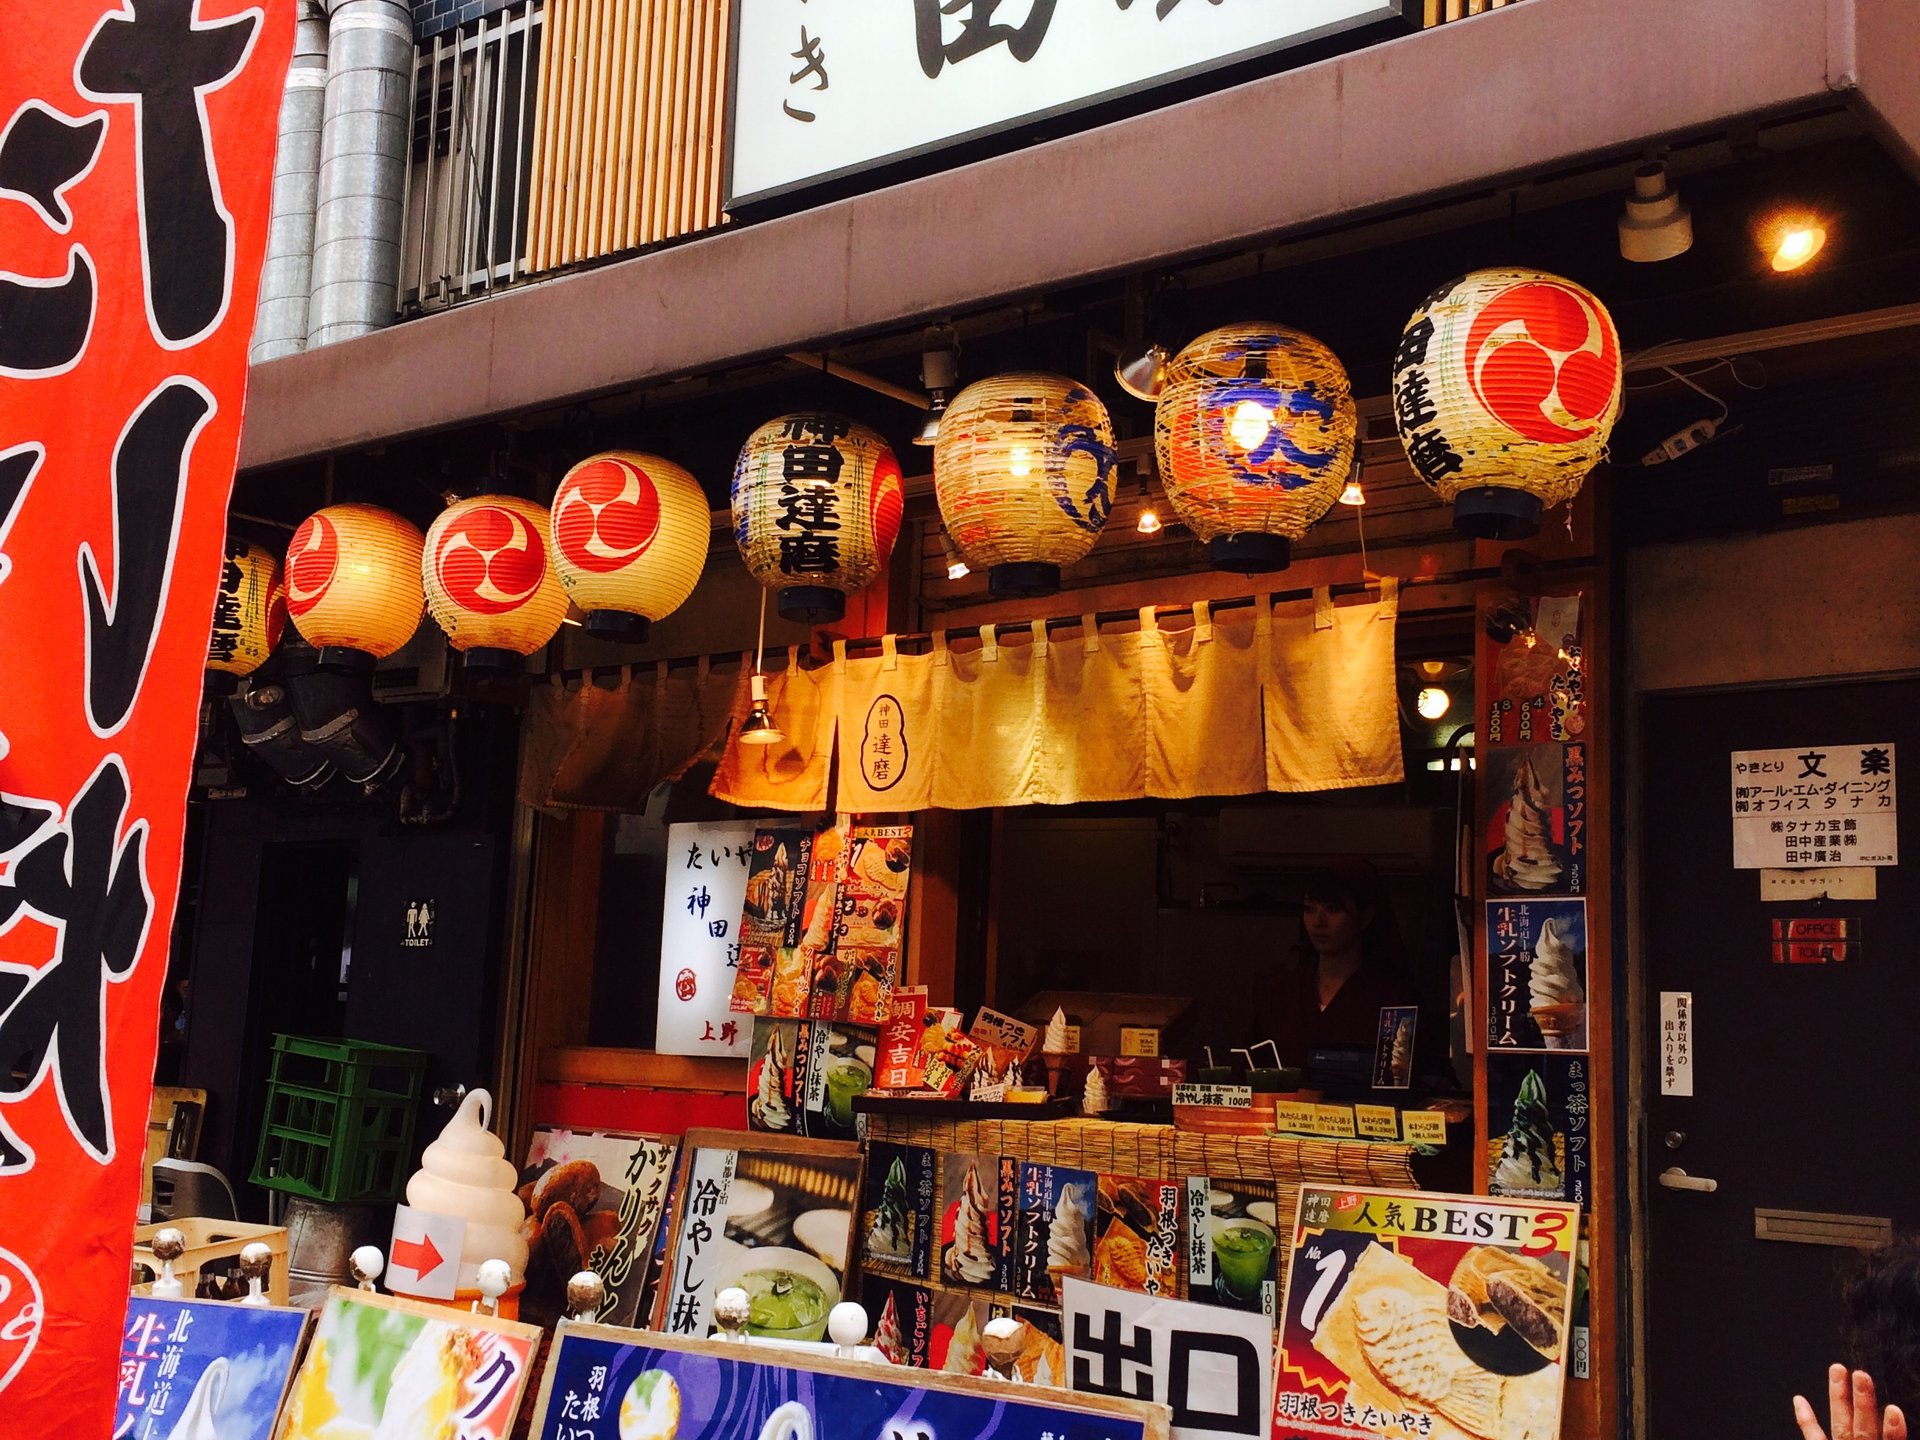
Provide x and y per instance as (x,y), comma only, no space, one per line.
(418,1256)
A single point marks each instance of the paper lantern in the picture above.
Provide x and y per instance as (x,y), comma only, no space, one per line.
(1254,431)
(353,584)
(489,583)
(1505,388)
(1023,470)
(629,536)
(249,611)
(816,508)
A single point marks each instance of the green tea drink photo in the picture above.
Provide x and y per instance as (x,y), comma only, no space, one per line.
(1242,1258)
(786,1305)
(846,1078)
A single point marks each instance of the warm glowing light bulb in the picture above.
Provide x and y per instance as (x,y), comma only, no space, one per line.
(1020,464)
(1432,702)
(1247,427)
(1797,245)
(957,569)
(1149,522)
(1353,494)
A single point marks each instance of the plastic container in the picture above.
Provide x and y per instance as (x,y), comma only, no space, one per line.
(339,1123)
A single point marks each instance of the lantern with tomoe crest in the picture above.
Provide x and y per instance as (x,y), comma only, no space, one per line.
(489,581)
(353,584)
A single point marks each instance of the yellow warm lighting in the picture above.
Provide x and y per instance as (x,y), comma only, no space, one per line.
(1797,245)
(957,569)
(1353,494)
(1432,702)
(1249,424)
(1020,462)
(1149,522)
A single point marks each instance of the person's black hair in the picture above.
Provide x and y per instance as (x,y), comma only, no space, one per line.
(1881,1327)
(1355,885)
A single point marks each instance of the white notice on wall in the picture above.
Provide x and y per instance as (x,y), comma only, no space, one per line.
(1213,1367)
(1676,1042)
(1815,805)
(699,946)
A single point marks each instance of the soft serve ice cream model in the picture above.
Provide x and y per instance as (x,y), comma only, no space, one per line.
(466,1173)
(1555,994)
(1529,1161)
(1526,861)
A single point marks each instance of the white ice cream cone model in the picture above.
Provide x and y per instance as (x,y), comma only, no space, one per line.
(466,1173)
(1094,1099)
(1053,1049)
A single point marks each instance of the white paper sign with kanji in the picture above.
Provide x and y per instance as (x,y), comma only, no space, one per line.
(699,947)
(1213,1367)
(1815,805)
(424,1259)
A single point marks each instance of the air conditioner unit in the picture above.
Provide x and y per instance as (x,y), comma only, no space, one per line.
(422,669)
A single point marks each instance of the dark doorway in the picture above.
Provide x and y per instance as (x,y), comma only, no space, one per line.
(1804,1066)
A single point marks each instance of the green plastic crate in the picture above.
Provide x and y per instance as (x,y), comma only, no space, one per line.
(339,1124)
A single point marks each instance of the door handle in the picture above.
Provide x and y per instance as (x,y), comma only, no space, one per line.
(1674,1178)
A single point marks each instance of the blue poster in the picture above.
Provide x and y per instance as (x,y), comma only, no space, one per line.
(603,1388)
(194,1368)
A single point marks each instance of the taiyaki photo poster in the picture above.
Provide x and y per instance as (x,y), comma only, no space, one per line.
(975,1203)
(1137,1235)
(1534,653)
(897,1210)
(1056,1230)
(1393,1047)
(770,915)
(1412,1316)
(380,1365)
(595,1201)
(604,1384)
(1536,839)
(771,1215)
(853,981)
(1213,1368)
(204,1370)
(1233,1239)
(1043,1359)
(1537,975)
(1538,1113)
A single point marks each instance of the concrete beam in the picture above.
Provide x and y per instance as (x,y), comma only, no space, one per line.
(1516,91)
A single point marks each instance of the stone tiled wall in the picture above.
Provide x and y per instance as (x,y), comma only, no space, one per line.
(431,17)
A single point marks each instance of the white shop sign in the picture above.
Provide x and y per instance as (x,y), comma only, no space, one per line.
(1807,805)
(706,892)
(822,88)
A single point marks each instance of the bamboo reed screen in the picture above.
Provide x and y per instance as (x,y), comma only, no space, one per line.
(627,126)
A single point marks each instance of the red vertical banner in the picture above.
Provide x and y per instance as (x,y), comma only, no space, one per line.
(136,158)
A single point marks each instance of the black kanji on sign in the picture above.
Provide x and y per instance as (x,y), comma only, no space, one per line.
(1116,1354)
(979,31)
(1412,349)
(44,320)
(159,56)
(1246,1417)
(1432,456)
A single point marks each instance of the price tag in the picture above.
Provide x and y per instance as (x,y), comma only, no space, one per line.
(1334,1120)
(1231,1097)
(1423,1127)
(1295,1117)
(1378,1122)
(1141,1040)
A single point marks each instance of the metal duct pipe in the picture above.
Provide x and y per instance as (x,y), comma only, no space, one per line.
(280,322)
(363,169)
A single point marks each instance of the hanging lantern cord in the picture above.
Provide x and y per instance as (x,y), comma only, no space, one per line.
(760,640)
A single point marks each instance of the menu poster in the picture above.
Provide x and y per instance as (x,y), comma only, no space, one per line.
(1538,1115)
(977,1195)
(803,1075)
(1537,974)
(1538,686)
(1536,840)
(1410,1315)
(1393,1048)
(770,914)
(1232,1240)
(853,981)
(1004,1043)
(604,1384)
(707,864)
(926,1326)
(595,1202)
(448,1372)
(769,1214)
(897,1210)
(1043,1361)
(200,1367)
(1212,1367)
(1055,1239)
(1138,1235)
(900,1062)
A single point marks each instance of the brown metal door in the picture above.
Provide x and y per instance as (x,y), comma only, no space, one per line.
(1805,1075)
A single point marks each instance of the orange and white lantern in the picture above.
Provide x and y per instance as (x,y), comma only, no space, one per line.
(817,501)
(353,583)
(630,535)
(489,582)
(1506,386)
(249,611)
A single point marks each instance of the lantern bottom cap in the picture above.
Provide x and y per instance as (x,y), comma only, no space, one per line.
(621,625)
(345,660)
(1023,579)
(491,661)
(1497,512)
(1251,552)
(812,604)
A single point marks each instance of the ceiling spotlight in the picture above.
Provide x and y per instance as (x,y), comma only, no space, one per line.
(758,728)
(1795,242)
(1141,369)
(1432,702)
(1655,225)
(957,568)
(940,373)
(1353,494)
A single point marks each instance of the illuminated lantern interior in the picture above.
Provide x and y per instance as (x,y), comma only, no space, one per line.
(353,583)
